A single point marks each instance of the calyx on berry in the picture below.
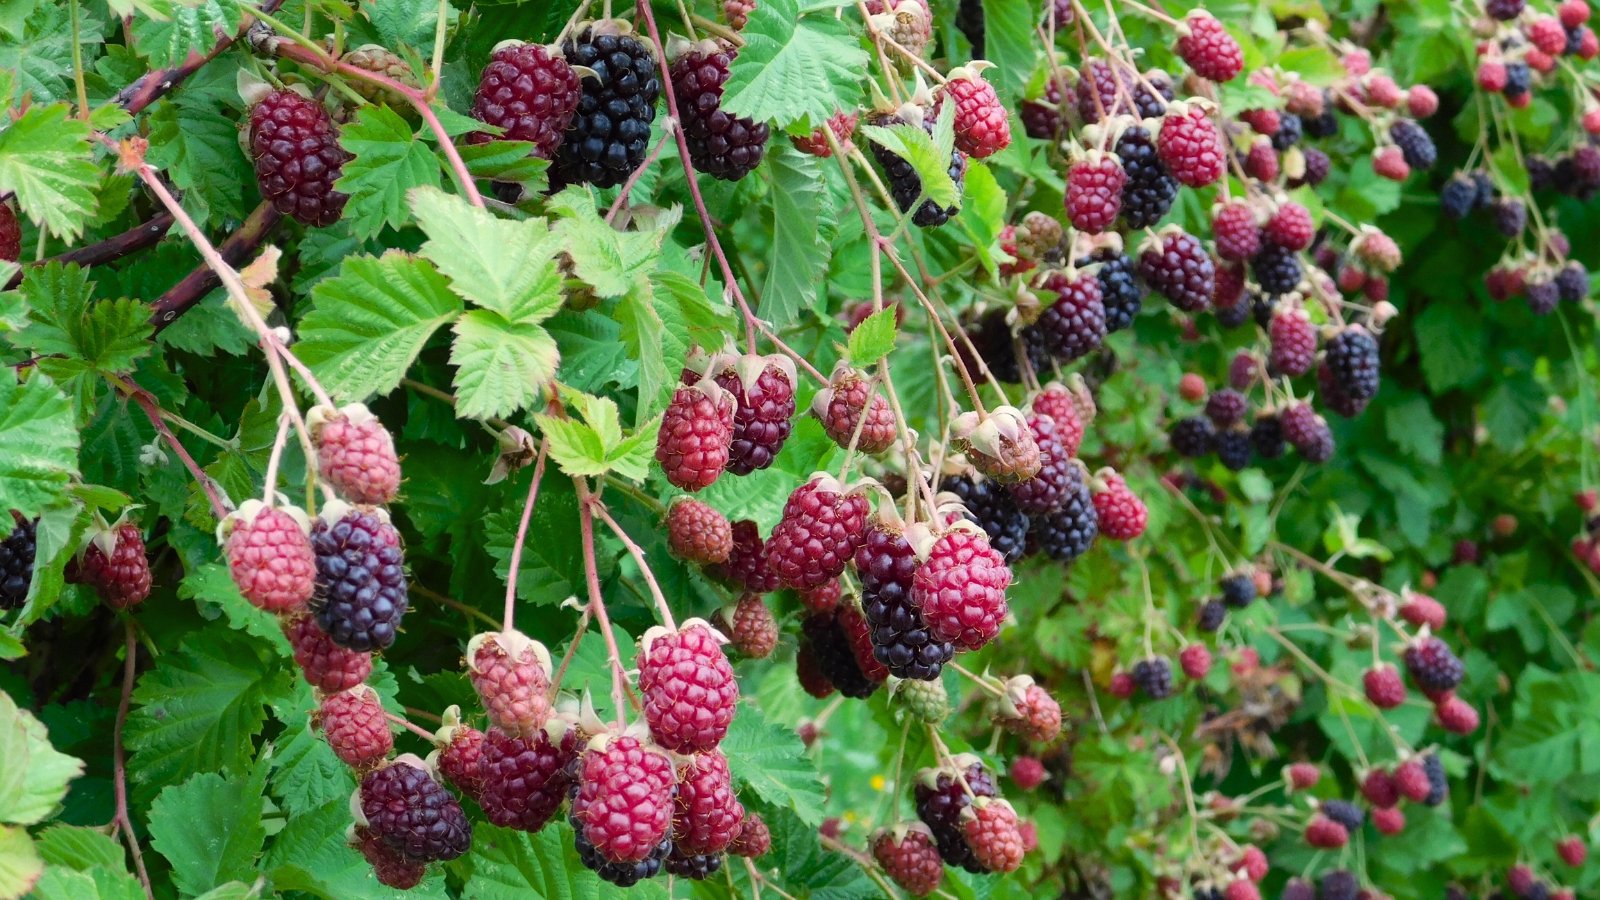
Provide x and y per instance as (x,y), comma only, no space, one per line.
(999,445)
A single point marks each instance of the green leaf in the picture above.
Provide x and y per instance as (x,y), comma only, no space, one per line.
(802,225)
(771,761)
(597,446)
(96,883)
(1554,736)
(927,154)
(368,324)
(793,68)
(209,828)
(1413,428)
(35,775)
(646,336)
(38,444)
(501,366)
(310,855)
(609,261)
(505,266)
(46,160)
(513,864)
(20,865)
(389,161)
(689,319)
(509,161)
(199,151)
(873,339)
(189,27)
(109,335)
(552,553)
(1451,339)
(201,707)
(79,847)
(212,586)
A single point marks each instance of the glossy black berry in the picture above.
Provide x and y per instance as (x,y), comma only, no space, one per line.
(1509,215)
(1154,677)
(621,874)
(1193,436)
(1212,614)
(1345,813)
(610,134)
(17,552)
(1459,196)
(940,798)
(1148,193)
(834,657)
(1415,143)
(1352,357)
(1276,269)
(1572,282)
(1239,590)
(1233,448)
(900,637)
(1290,128)
(1120,291)
(1266,436)
(1069,532)
(1438,784)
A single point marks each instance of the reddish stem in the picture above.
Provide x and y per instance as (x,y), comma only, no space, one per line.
(597,604)
(694,187)
(119,768)
(507,620)
(157,83)
(407,724)
(638,557)
(131,241)
(633,179)
(147,402)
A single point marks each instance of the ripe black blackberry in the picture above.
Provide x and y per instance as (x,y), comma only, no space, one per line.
(1438,784)
(1504,10)
(361,581)
(1120,291)
(1290,128)
(17,552)
(1485,184)
(1519,79)
(1075,323)
(297,157)
(1104,91)
(1233,447)
(1415,143)
(1150,189)
(1509,215)
(1340,884)
(696,866)
(1317,168)
(722,146)
(1239,589)
(1433,666)
(991,507)
(1266,436)
(1459,196)
(1233,316)
(834,657)
(1154,677)
(994,342)
(1276,269)
(940,798)
(621,874)
(1325,125)
(906,186)
(1345,813)
(1069,532)
(1193,436)
(900,637)
(609,136)
(1352,356)
(1572,282)
(1212,613)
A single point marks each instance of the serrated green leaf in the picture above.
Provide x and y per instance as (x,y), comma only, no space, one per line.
(802,224)
(611,262)
(873,339)
(209,828)
(96,883)
(1450,338)
(552,554)
(36,775)
(506,266)
(575,447)
(38,444)
(189,27)
(108,335)
(201,707)
(46,160)
(199,151)
(512,864)
(79,847)
(389,161)
(501,366)
(793,68)
(928,154)
(509,161)
(368,324)
(689,319)
(212,586)
(771,761)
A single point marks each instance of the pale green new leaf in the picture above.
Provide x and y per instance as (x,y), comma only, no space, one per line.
(79,847)
(46,160)
(501,366)
(201,707)
(389,161)
(95,883)
(928,155)
(609,261)
(792,68)
(38,444)
(873,339)
(20,865)
(368,324)
(645,334)
(209,828)
(503,265)
(574,446)
(35,775)
(801,223)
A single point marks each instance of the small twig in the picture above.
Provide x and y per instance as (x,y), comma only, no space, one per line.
(456,605)
(407,724)
(638,558)
(597,604)
(152,411)
(157,83)
(507,619)
(119,768)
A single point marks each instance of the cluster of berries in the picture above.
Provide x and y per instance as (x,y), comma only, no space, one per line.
(962,822)
(1526,885)
(1417,778)
(1521,45)
(1226,872)
(1434,669)
(17,552)
(1586,546)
